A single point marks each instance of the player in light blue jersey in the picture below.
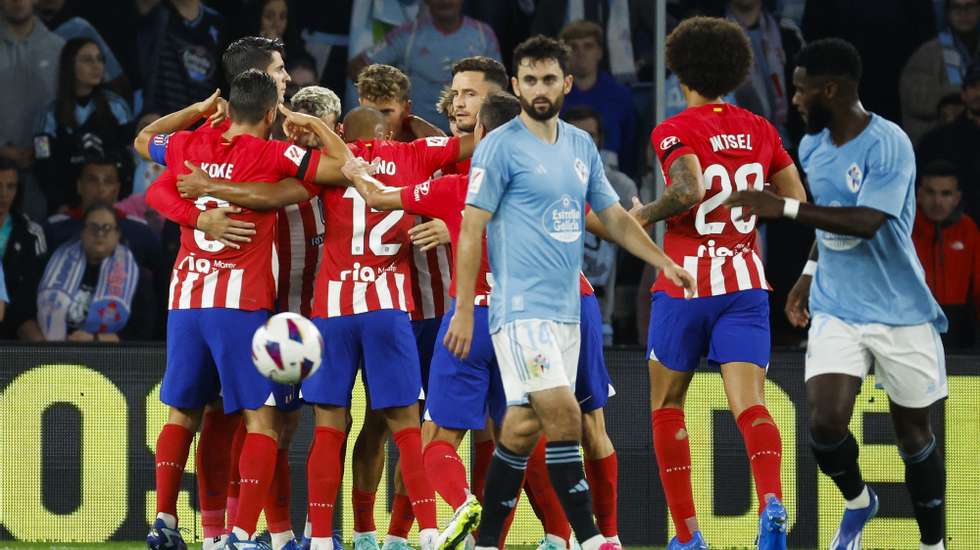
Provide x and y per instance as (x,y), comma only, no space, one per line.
(868,297)
(530,181)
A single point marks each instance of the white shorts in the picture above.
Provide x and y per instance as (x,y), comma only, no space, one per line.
(536,355)
(909,361)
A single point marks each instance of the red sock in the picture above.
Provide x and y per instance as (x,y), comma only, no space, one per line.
(257,466)
(363,506)
(276,504)
(544,499)
(409,442)
(674,460)
(402,516)
(603,477)
(173,446)
(323,479)
(234,479)
(765,448)
(483,451)
(213,469)
(446,472)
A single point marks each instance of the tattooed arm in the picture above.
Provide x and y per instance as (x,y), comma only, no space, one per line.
(686,189)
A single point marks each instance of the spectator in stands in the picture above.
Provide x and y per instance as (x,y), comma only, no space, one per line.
(601,257)
(302,73)
(959,142)
(178,53)
(29,54)
(93,289)
(950,108)
(22,250)
(84,117)
(273,19)
(597,89)
(937,68)
(885,32)
(99,181)
(144,174)
(948,245)
(425,48)
(59,17)
(765,92)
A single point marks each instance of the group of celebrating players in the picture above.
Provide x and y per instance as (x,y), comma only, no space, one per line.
(499,332)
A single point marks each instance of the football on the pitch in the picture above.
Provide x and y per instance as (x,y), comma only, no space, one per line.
(287,348)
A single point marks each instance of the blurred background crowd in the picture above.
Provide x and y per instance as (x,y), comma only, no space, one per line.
(81,77)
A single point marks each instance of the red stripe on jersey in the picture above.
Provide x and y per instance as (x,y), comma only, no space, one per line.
(285,249)
(754,274)
(704,277)
(728,276)
(221,290)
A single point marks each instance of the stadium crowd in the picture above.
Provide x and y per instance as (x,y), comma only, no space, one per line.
(84,77)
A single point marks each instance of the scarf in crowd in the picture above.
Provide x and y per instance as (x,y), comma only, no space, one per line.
(770,89)
(111,299)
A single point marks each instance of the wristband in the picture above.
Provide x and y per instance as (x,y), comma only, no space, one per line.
(791,207)
(810,268)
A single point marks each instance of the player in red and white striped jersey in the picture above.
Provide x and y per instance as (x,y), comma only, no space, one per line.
(221,293)
(706,152)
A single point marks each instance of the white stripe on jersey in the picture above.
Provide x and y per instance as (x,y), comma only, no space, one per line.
(173,286)
(234,295)
(445,272)
(424,283)
(185,291)
(691,266)
(210,286)
(333,298)
(400,284)
(360,295)
(297,255)
(717,278)
(741,272)
(384,295)
(274,264)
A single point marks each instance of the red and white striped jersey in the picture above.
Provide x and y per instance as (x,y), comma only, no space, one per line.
(206,273)
(368,258)
(737,150)
(431,277)
(300,234)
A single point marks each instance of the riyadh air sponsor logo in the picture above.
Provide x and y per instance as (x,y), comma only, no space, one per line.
(562,220)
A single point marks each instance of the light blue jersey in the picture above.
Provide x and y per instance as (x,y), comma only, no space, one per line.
(877,280)
(537,193)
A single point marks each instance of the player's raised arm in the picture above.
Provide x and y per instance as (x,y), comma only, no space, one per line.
(686,190)
(335,153)
(468,250)
(253,195)
(174,122)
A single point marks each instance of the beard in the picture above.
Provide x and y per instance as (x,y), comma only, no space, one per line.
(550,112)
(818,118)
(466,127)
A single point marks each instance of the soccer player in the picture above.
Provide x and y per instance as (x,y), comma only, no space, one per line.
(388,89)
(530,181)
(866,289)
(462,392)
(219,294)
(705,152)
(361,307)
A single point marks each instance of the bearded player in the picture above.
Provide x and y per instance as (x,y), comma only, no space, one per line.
(706,152)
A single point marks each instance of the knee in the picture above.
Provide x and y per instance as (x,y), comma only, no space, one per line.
(520,431)
(828,424)
(187,418)
(595,440)
(563,422)
(913,440)
(289,424)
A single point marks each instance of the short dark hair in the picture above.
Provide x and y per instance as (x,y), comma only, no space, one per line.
(939,168)
(493,70)
(582,112)
(830,57)
(541,47)
(949,99)
(498,109)
(96,206)
(709,55)
(253,94)
(7,164)
(250,52)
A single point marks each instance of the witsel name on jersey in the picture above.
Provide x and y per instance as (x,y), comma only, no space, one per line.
(724,142)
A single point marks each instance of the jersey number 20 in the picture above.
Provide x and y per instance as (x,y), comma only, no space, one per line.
(742,182)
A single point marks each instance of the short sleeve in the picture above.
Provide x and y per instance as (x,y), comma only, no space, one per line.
(489,174)
(293,161)
(165,149)
(3,287)
(433,199)
(669,142)
(600,195)
(890,174)
(392,50)
(437,152)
